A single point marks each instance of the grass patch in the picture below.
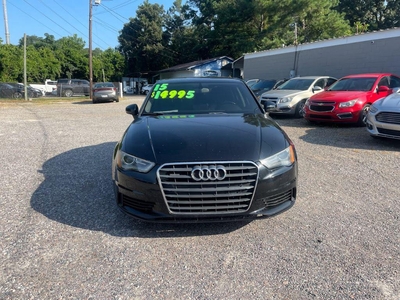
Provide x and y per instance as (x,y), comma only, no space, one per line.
(45,100)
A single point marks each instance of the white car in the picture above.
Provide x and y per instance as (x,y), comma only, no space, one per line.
(383,118)
(290,97)
(147,88)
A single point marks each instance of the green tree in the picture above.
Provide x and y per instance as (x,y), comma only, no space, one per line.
(141,40)
(11,63)
(73,56)
(41,64)
(108,65)
(370,14)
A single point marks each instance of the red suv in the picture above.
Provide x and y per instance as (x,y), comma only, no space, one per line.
(348,99)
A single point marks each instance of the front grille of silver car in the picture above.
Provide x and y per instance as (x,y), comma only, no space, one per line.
(388,117)
(322,106)
(270,99)
(184,195)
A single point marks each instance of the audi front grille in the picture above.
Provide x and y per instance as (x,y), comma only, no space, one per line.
(221,187)
(388,117)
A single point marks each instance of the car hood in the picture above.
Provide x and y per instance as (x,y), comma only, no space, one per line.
(283,93)
(204,138)
(338,96)
(391,101)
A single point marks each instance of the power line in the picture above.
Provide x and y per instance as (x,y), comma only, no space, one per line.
(30,15)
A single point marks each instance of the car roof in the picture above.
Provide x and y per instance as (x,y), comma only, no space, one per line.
(368,75)
(310,77)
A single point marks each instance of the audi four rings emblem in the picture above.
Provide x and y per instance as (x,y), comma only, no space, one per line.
(213,172)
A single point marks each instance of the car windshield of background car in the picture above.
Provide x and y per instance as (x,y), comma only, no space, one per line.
(263,85)
(182,98)
(354,84)
(296,84)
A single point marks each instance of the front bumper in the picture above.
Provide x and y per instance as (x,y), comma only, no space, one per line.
(280,108)
(382,129)
(140,196)
(341,115)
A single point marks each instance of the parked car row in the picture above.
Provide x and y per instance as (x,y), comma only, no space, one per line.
(371,99)
(14,90)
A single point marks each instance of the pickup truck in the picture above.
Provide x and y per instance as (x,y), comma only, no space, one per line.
(49,86)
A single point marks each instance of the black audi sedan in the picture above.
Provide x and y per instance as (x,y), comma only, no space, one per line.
(203,150)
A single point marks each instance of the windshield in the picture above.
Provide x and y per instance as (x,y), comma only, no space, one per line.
(185,97)
(104,85)
(264,84)
(354,84)
(296,84)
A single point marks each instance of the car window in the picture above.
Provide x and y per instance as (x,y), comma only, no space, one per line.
(296,84)
(103,84)
(62,81)
(330,81)
(264,84)
(320,83)
(354,84)
(394,82)
(202,97)
(384,82)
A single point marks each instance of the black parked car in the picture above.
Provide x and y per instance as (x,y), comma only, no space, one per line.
(263,85)
(20,90)
(203,150)
(8,91)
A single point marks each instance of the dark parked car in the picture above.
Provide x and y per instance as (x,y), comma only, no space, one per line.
(71,87)
(104,91)
(264,85)
(8,91)
(203,150)
(19,91)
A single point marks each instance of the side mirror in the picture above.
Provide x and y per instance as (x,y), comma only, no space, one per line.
(383,88)
(269,106)
(316,88)
(132,109)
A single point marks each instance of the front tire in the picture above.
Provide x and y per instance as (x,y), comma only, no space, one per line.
(17,95)
(363,115)
(68,93)
(299,112)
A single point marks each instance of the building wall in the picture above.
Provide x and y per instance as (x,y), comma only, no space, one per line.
(364,53)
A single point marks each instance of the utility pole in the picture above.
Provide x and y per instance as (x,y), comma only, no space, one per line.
(90,50)
(6,22)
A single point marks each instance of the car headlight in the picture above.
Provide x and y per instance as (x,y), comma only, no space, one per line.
(350,103)
(285,99)
(129,162)
(372,109)
(285,158)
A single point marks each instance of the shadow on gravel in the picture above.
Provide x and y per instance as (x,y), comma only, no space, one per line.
(77,191)
(338,135)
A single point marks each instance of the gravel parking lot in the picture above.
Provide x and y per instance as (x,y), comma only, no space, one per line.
(62,236)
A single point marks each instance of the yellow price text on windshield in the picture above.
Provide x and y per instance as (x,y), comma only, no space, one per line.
(171,94)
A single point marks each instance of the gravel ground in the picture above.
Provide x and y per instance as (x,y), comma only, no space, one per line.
(62,236)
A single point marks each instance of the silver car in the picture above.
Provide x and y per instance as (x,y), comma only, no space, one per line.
(290,97)
(383,118)
(104,91)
